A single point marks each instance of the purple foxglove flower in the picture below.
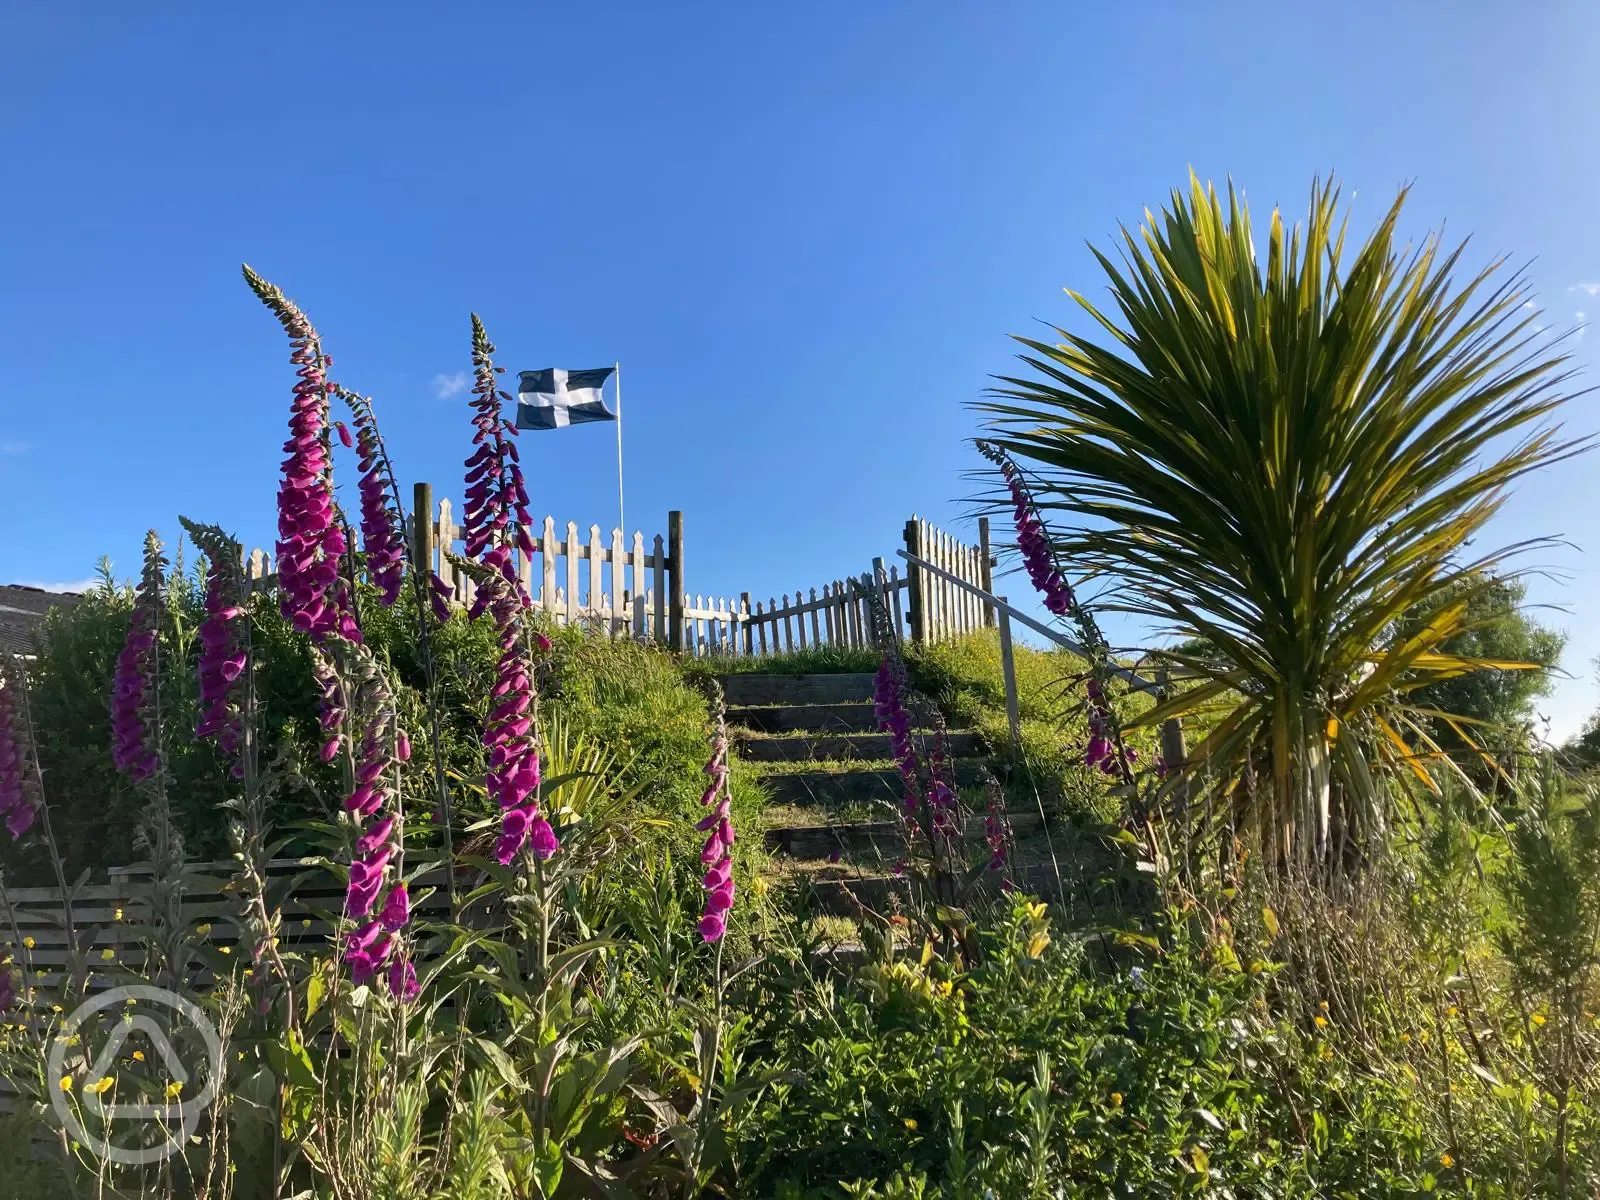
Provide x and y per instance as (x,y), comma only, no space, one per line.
(134,685)
(542,838)
(16,801)
(717,851)
(712,927)
(496,514)
(396,909)
(403,980)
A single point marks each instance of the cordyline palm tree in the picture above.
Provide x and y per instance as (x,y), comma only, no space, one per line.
(1282,459)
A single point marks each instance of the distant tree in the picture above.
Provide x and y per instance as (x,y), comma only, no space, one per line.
(1583,751)
(1498,629)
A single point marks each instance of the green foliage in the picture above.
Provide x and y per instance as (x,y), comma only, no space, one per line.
(1284,458)
(1496,705)
(965,678)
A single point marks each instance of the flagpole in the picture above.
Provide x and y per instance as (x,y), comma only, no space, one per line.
(621,519)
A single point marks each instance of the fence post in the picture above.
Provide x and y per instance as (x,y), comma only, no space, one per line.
(1173,751)
(914,583)
(749,629)
(985,569)
(1008,668)
(675,579)
(422,528)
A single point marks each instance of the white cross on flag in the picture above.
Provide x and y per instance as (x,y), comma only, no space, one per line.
(555,397)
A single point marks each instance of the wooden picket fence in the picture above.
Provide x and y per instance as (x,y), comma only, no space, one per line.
(630,587)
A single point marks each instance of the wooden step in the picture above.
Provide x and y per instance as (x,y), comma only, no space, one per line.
(752,689)
(817,718)
(803,747)
(886,837)
(838,897)
(831,788)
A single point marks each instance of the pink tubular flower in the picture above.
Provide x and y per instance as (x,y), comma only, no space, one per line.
(512,777)
(17,805)
(717,853)
(134,685)
(382,530)
(1035,546)
(496,513)
(888,703)
(310,541)
(403,980)
(222,657)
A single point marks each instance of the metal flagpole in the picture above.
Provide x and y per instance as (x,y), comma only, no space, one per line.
(621,519)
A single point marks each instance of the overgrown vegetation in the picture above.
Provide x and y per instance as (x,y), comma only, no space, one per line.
(1364,978)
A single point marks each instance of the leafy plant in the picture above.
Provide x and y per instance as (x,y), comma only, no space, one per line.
(1285,458)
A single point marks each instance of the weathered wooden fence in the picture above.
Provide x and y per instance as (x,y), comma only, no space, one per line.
(630,587)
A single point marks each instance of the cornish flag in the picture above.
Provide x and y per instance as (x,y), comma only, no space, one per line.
(553,398)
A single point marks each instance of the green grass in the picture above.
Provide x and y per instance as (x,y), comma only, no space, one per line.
(814,660)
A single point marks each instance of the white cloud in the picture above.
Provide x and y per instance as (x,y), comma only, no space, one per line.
(71,585)
(1592,289)
(1580,316)
(447,387)
(15,447)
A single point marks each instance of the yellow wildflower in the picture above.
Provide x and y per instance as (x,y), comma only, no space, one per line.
(203,928)
(1323,1005)
(108,954)
(306,924)
(1451,1011)
(174,1088)
(1037,943)
(29,942)
(66,1083)
(102,1087)
(1422,1036)
(911,1123)
(1538,1018)
(1446,1161)
(226,949)
(138,1056)
(1321,1021)
(1116,1099)
(117,916)
(1036,911)
(1405,1037)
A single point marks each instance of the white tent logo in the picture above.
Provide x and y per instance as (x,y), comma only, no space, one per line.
(177,1120)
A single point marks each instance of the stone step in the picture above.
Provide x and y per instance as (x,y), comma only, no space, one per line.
(805,789)
(752,689)
(805,747)
(886,837)
(819,718)
(840,897)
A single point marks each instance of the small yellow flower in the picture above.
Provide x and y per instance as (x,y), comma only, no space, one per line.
(117,916)
(203,928)
(1116,1099)
(1446,1161)
(1422,1036)
(66,1083)
(29,942)
(138,1056)
(306,924)
(226,949)
(1323,1005)
(1405,1037)
(108,954)
(104,1086)
(759,885)
(1451,1011)
(174,1088)
(1036,911)
(1537,1018)
(55,1008)
(911,1123)
(1321,1021)
(1037,943)
(1325,1053)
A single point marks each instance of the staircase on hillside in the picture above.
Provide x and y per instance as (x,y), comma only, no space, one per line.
(836,794)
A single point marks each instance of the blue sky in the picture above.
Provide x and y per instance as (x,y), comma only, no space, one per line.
(806,231)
